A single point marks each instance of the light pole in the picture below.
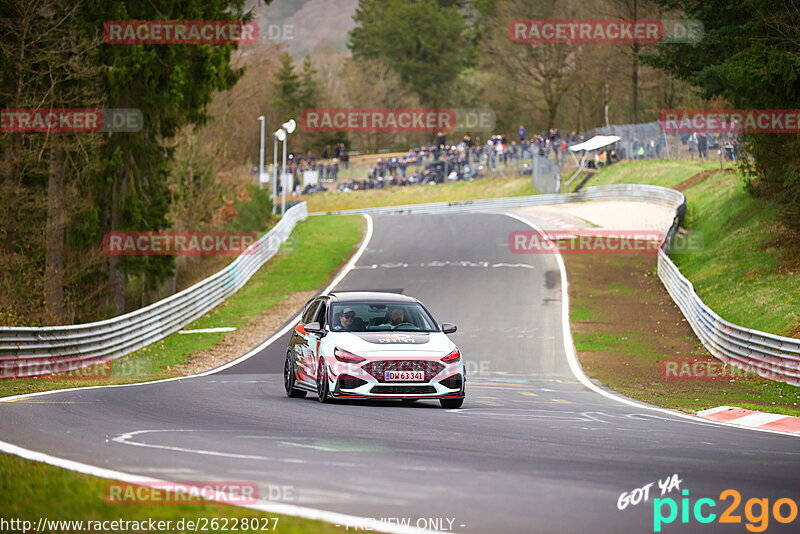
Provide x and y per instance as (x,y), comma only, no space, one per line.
(279,135)
(288,127)
(261,154)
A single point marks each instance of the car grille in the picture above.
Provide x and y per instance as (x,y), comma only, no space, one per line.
(452,382)
(350,382)
(379,368)
(403,390)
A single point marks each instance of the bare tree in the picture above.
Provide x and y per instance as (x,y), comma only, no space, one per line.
(550,70)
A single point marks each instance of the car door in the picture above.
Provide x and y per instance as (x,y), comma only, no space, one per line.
(313,340)
(300,339)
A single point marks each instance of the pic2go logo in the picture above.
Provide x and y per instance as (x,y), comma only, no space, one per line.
(756,511)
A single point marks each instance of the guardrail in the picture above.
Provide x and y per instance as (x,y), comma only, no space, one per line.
(30,351)
(647,193)
(771,356)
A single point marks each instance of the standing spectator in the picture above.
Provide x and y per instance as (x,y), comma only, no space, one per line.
(521,133)
(702,146)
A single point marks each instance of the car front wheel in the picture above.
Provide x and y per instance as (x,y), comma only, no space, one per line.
(451,404)
(322,382)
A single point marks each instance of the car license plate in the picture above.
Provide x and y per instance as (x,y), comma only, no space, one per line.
(404,376)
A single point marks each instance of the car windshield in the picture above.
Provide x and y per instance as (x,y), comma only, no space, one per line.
(381,317)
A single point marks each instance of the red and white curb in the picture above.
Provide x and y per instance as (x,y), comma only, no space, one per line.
(554,220)
(753,419)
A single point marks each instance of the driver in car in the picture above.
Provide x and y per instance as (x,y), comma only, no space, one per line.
(348,320)
(396,316)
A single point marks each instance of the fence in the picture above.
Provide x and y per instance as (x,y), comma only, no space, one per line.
(638,141)
(28,351)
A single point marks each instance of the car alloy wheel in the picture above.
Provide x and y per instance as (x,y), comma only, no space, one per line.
(289,379)
(322,382)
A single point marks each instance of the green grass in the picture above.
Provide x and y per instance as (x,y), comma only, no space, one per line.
(495,186)
(32,490)
(316,249)
(657,172)
(740,271)
(582,309)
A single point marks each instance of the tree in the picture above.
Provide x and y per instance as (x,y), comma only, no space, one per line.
(426,44)
(48,63)
(749,57)
(633,10)
(288,96)
(172,85)
(549,70)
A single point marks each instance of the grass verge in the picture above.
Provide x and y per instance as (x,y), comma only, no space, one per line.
(744,272)
(32,490)
(625,325)
(656,172)
(492,187)
(315,251)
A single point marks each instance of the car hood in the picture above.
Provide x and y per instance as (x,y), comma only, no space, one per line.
(378,343)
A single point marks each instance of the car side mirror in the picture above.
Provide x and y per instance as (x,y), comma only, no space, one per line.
(447,328)
(315,328)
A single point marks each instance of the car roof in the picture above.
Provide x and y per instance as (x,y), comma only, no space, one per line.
(361,296)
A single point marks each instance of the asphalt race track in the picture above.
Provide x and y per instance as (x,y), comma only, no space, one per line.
(532,450)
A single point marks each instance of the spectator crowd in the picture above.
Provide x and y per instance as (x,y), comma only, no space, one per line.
(468,159)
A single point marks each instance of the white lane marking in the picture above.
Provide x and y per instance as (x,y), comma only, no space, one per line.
(208,330)
(127,439)
(572,356)
(519,265)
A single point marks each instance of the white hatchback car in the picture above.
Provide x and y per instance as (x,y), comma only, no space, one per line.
(359,345)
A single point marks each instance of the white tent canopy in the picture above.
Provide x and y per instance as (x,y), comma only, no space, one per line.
(595,143)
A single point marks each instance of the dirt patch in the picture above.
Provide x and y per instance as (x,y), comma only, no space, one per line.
(237,343)
(627,324)
(699,177)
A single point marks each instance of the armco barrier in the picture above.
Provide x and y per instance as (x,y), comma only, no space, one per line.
(646,193)
(28,351)
(771,356)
